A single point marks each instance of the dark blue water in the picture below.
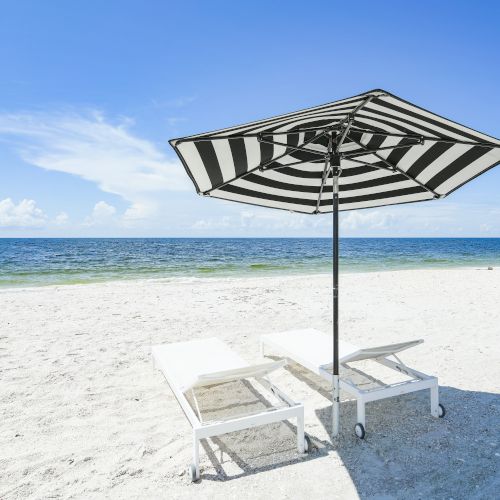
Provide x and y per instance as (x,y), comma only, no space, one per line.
(27,262)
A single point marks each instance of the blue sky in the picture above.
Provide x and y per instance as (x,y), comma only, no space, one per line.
(91,91)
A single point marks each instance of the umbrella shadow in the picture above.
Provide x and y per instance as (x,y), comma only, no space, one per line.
(407,453)
(243,452)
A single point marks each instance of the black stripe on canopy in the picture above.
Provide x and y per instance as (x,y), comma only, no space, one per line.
(391,152)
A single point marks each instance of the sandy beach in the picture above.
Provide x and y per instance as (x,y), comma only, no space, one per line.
(84,415)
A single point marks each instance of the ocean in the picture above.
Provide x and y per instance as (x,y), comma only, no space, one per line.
(38,261)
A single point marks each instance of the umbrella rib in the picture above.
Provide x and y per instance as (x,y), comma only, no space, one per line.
(388,134)
(350,120)
(330,128)
(373,152)
(294,148)
(348,123)
(302,162)
(394,168)
(344,135)
(423,138)
(362,105)
(326,172)
(365,164)
(257,135)
(399,146)
(291,148)
(482,144)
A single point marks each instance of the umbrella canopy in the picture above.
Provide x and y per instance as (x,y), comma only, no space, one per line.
(391,151)
(366,151)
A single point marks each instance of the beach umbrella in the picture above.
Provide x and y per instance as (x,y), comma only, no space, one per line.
(365,151)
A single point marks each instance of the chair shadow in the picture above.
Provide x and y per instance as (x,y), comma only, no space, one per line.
(407,453)
(251,460)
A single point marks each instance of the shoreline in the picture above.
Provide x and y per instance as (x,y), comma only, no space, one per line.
(242,276)
(83,261)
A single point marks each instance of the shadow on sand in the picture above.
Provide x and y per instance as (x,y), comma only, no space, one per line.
(244,453)
(406,453)
(409,454)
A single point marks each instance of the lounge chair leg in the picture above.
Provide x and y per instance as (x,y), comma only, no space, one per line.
(435,401)
(195,466)
(361,412)
(300,434)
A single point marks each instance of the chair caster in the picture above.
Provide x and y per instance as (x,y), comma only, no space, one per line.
(193,473)
(307,444)
(359,430)
(441,411)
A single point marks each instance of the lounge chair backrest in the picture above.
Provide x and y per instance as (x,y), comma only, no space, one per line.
(379,352)
(251,371)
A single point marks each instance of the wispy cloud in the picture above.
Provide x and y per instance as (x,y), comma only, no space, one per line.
(90,146)
(172,121)
(178,102)
(263,221)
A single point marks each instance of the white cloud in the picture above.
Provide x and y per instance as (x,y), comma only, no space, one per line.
(272,219)
(431,219)
(103,213)
(111,155)
(354,221)
(265,221)
(61,219)
(23,215)
(89,146)
(213,223)
(103,210)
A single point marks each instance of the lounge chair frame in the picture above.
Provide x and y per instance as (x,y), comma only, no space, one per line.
(207,429)
(417,381)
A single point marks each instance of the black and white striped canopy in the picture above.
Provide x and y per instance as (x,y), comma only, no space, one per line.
(390,150)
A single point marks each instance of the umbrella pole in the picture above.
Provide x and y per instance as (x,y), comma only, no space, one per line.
(336,388)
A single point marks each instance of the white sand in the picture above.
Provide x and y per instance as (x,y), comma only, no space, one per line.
(83,414)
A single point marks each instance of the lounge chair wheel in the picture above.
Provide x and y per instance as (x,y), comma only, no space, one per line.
(359,430)
(193,473)
(441,411)
(307,444)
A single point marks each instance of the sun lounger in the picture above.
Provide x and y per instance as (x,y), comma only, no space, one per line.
(313,350)
(192,366)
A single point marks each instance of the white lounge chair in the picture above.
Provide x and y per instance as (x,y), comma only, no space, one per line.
(189,366)
(313,350)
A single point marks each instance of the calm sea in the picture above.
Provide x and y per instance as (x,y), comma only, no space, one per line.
(28,262)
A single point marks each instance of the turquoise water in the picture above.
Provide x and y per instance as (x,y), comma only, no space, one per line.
(28,262)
